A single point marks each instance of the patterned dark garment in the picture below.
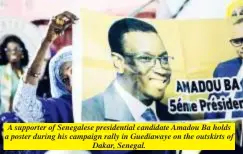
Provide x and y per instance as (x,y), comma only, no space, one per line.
(11,117)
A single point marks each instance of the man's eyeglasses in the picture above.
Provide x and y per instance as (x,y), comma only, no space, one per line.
(237,42)
(15,50)
(150,60)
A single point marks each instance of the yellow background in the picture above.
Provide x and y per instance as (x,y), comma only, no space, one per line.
(150,144)
(198,46)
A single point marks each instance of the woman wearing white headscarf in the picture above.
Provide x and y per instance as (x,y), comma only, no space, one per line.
(30,108)
(55,109)
(58,109)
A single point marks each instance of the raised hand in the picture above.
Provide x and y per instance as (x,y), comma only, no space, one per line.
(59,24)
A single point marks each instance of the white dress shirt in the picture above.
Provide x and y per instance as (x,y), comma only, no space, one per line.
(136,107)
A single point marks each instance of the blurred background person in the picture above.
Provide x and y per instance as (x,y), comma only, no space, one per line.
(14,57)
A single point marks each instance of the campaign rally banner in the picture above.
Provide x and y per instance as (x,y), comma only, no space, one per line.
(189,66)
(147,85)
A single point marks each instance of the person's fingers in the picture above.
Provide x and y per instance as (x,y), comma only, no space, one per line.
(66,15)
(64,18)
(70,19)
(57,28)
(67,25)
(70,15)
(59,21)
(62,21)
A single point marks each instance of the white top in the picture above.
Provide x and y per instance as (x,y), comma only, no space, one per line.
(26,105)
(136,107)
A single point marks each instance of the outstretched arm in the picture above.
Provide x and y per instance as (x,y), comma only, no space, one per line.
(26,105)
(56,28)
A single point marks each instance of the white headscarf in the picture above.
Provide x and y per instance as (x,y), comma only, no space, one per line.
(58,88)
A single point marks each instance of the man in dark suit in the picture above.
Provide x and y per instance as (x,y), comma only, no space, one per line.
(231,68)
(143,73)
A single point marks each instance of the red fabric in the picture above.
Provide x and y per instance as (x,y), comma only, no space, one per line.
(151,15)
(63,40)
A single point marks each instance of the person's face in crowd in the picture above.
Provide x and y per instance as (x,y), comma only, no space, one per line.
(237,11)
(237,39)
(66,75)
(13,52)
(146,64)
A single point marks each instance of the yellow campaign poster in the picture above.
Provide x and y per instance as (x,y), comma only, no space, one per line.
(180,69)
(142,85)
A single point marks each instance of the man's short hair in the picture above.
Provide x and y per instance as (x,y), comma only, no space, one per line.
(239,21)
(120,27)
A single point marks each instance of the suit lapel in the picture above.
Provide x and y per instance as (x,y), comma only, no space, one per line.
(115,109)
